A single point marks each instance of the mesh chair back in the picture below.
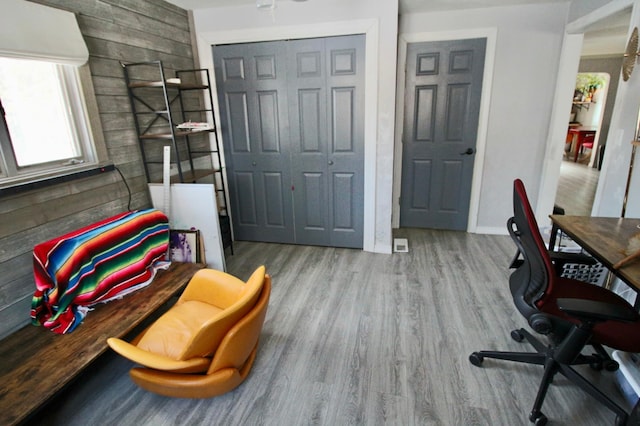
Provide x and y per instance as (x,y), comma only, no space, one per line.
(535,276)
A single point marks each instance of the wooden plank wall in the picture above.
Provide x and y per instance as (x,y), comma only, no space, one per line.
(114,30)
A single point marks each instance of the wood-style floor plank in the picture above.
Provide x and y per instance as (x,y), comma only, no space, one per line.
(577,188)
(365,339)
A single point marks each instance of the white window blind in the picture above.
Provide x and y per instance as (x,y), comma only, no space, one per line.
(46,132)
(34,31)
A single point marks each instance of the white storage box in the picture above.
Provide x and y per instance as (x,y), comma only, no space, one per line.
(628,375)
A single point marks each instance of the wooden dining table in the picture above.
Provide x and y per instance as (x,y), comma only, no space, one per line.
(606,239)
(579,136)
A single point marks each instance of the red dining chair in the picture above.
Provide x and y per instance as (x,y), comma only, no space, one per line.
(587,142)
(571,313)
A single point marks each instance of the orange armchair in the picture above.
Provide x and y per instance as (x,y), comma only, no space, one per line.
(206,343)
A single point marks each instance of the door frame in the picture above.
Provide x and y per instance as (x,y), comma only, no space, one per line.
(370,29)
(609,192)
(490,34)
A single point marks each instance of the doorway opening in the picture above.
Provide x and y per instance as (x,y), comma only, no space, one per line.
(592,107)
(585,143)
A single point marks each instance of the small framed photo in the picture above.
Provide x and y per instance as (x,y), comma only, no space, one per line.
(184,245)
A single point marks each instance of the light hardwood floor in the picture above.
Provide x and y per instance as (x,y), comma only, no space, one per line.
(355,338)
(576,188)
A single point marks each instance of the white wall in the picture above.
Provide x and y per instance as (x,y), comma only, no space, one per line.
(528,44)
(377,19)
(533,57)
(580,8)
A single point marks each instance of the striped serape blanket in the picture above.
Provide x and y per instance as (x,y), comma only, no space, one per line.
(96,264)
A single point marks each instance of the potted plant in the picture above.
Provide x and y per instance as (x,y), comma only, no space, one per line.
(587,84)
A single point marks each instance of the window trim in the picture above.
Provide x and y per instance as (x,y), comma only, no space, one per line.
(89,132)
(54,180)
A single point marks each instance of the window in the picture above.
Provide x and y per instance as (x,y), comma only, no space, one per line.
(44,128)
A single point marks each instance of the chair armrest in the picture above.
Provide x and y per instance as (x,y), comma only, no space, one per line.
(565,257)
(592,310)
(158,362)
(516,262)
(560,259)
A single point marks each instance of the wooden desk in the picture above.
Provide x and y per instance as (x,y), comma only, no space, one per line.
(37,363)
(605,239)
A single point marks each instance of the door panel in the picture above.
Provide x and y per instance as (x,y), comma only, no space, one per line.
(452,173)
(342,119)
(238,122)
(425,113)
(343,189)
(274,197)
(268,121)
(457,105)
(245,195)
(315,196)
(443,88)
(309,113)
(421,170)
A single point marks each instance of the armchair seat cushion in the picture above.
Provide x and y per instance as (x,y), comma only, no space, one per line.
(172,332)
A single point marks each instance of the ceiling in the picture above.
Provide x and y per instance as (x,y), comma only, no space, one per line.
(605,38)
(406,6)
(412,6)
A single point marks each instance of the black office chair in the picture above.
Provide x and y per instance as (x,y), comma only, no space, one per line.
(571,313)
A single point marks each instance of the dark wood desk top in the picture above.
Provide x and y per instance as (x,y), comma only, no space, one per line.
(606,239)
(35,363)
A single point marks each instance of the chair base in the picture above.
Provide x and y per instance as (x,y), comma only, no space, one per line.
(192,385)
(546,356)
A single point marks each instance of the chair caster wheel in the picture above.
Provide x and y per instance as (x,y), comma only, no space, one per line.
(476,359)
(517,335)
(597,365)
(621,420)
(538,419)
(611,365)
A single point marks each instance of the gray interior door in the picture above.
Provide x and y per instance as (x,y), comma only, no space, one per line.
(293,132)
(442,103)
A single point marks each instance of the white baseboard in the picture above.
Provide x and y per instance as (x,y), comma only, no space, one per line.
(490,230)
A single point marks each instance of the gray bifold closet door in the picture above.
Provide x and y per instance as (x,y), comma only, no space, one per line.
(292,123)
